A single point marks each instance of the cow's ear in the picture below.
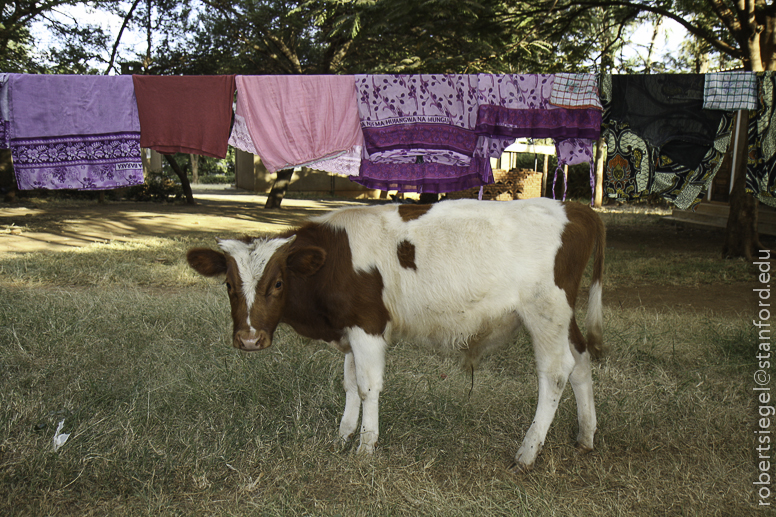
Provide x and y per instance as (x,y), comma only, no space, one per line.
(206,262)
(306,261)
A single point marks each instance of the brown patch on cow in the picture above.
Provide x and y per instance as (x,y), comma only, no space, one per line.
(406,254)
(322,305)
(411,211)
(582,234)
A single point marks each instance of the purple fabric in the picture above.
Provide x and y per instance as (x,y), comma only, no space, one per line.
(426,177)
(572,152)
(575,150)
(437,133)
(418,114)
(516,106)
(419,133)
(515,91)
(557,123)
(74,132)
(4,124)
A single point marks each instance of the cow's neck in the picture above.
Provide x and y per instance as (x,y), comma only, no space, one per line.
(307,317)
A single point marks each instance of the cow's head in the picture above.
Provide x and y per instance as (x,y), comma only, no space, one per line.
(257,274)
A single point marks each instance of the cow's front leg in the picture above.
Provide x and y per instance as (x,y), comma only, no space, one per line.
(369,355)
(349,421)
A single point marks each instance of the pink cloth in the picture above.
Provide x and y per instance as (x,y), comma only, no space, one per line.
(299,120)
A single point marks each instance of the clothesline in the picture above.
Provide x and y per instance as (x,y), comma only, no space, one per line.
(666,134)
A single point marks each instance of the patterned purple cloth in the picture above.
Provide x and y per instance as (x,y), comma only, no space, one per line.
(517,106)
(418,133)
(74,132)
(437,133)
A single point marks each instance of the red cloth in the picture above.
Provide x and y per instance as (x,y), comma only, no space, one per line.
(185,114)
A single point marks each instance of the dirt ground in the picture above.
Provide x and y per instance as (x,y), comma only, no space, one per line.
(26,226)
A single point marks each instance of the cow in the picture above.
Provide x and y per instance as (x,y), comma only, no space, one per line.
(461,274)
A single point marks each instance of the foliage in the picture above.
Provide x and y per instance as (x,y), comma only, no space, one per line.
(718,25)
(157,187)
(216,179)
(353,36)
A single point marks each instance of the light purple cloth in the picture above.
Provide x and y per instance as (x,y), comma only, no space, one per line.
(4,122)
(74,132)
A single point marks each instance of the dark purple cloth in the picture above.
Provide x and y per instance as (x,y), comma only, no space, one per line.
(559,123)
(424,177)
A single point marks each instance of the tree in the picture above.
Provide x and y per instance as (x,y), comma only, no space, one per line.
(739,31)
(16,19)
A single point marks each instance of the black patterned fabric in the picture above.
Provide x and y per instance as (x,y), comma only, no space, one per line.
(666,110)
(636,168)
(761,166)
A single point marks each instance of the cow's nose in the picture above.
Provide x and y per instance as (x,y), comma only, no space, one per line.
(250,340)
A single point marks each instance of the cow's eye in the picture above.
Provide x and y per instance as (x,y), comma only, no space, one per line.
(228,287)
(278,284)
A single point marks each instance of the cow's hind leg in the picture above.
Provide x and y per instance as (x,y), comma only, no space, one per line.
(349,421)
(549,327)
(369,356)
(582,383)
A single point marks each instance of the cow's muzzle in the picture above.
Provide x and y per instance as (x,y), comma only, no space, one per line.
(250,341)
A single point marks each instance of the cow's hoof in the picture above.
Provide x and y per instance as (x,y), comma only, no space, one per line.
(519,468)
(339,446)
(584,449)
(365,449)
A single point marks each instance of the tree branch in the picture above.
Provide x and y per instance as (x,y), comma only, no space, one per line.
(127,18)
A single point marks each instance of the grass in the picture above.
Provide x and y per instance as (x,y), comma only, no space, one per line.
(165,418)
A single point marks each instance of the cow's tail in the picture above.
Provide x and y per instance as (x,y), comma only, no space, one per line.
(595,310)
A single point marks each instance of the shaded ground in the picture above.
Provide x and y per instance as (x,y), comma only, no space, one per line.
(36,227)
(735,299)
(26,227)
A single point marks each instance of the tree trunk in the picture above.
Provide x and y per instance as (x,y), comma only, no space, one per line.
(741,236)
(600,161)
(184,179)
(279,188)
(194,168)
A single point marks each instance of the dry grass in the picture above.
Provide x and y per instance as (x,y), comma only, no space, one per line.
(166,419)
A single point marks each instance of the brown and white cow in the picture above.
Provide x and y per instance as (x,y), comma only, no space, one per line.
(458,274)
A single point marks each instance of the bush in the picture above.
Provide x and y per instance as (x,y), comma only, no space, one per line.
(157,187)
(211,179)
